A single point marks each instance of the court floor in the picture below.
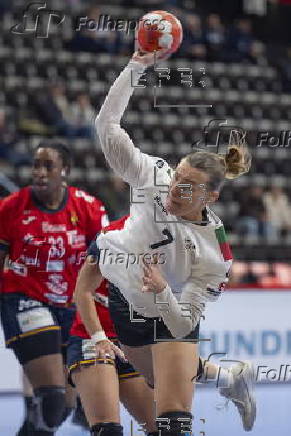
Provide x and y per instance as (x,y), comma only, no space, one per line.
(274,417)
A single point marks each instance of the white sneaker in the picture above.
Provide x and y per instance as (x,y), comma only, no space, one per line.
(241,392)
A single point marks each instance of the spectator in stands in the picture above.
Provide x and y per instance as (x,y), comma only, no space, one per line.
(193,37)
(5,137)
(278,209)
(116,195)
(252,220)
(249,277)
(272,278)
(239,41)
(102,40)
(214,37)
(82,115)
(5,6)
(257,53)
(8,144)
(284,64)
(54,109)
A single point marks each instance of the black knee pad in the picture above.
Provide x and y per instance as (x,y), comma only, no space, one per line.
(177,423)
(49,408)
(107,429)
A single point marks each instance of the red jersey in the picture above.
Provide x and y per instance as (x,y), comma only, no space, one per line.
(101,300)
(47,248)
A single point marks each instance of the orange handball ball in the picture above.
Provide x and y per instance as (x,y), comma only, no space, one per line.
(159,30)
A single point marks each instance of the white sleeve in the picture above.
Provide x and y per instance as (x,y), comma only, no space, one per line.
(181,317)
(124,158)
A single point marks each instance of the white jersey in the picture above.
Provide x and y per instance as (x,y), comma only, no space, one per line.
(193,258)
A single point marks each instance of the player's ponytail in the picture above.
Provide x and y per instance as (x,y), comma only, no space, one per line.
(235,162)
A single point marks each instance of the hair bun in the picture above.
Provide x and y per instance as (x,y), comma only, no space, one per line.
(237,161)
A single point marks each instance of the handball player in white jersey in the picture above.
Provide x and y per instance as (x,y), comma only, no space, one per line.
(170,259)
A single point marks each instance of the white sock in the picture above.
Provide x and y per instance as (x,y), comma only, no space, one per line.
(223,378)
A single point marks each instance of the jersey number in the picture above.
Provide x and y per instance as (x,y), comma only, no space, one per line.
(167,241)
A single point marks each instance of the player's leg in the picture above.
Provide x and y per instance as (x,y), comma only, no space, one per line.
(141,360)
(235,383)
(65,318)
(97,384)
(241,392)
(98,388)
(176,377)
(79,417)
(28,407)
(138,338)
(174,388)
(209,372)
(47,378)
(136,396)
(34,335)
(71,396)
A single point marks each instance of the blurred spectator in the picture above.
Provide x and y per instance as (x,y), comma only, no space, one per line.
(239,41)
(284,64)
(257,54)
(215,37)
(278,209)
(199,52)
(5,6)
(116,195)
(8,144)
(193,37)
(249,277)
(83,114)
(271,279)
(100,38)
(54,110)
(252,220)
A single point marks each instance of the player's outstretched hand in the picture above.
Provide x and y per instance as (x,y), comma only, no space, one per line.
(106,349)
(153,281)
(148,59)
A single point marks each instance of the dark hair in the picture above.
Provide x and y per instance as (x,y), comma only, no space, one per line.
(62,149)
(219,167)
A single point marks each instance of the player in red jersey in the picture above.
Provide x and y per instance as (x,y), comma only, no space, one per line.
(45,230)
(102,379)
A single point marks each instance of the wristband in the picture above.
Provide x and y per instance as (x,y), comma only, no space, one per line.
(99,336)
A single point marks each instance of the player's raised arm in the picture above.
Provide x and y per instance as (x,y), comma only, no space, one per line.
(124,158)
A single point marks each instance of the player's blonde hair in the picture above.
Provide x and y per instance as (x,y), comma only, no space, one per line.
(235,162)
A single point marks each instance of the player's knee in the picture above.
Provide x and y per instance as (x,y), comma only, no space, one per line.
(176,423)
(49,408)
(107,429)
